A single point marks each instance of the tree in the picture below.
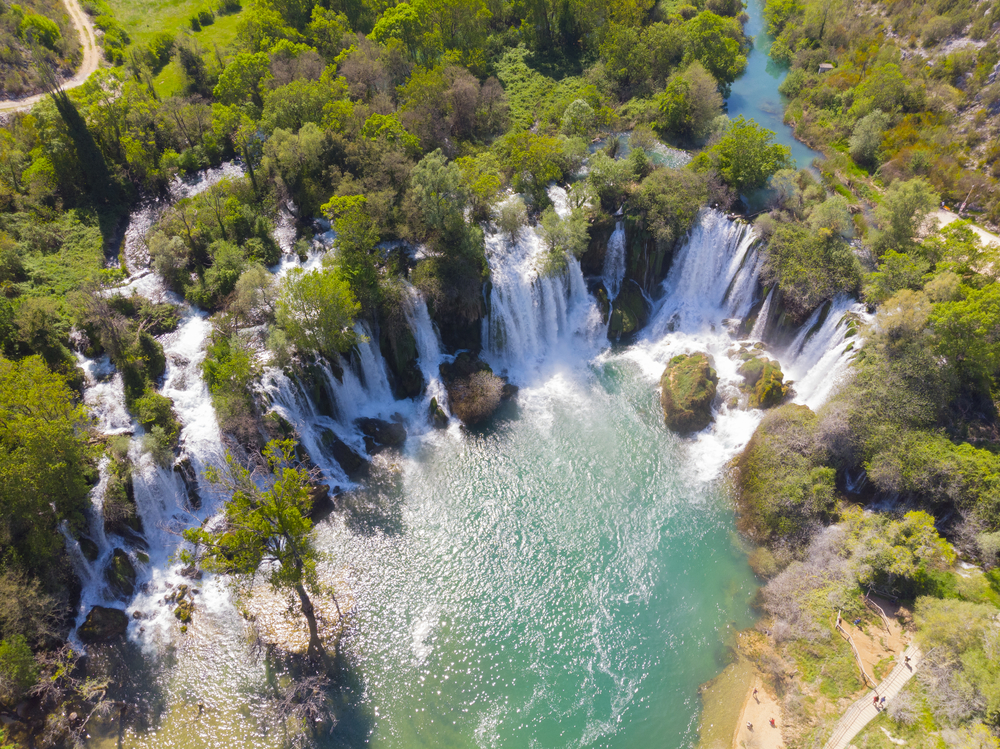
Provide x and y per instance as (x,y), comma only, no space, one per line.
(18,671)
(867,137)
(884,88)
(564,237)
(905,211)
(243,79)
(43,453)
(747,155)
(968,332)
(896,271)
(317,310)
(401,22)
(579,119)
(626,58)
(690,103)
(716,43)
(833,216)
(263,532)
(512,216)
(439,192)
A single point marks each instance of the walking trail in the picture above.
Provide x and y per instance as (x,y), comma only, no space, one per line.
(946,217)
(91,59)
(862,712)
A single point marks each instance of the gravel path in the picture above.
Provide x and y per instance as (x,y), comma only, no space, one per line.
(91,58)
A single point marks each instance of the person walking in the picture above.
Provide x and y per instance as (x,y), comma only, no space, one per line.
(749,725)
(772,723)
(755,694)
(875,701)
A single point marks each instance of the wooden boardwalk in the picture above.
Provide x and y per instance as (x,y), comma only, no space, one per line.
(862,712)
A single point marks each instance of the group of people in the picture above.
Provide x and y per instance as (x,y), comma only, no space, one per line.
(749,724)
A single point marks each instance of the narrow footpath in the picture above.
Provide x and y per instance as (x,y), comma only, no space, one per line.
(946,217)
(91,58)
(862,712)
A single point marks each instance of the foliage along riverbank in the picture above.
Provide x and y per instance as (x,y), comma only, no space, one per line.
(893,479)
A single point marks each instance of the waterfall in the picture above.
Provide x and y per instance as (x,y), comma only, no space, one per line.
(295,406)
(560,200)
(532,316)
(83,568)
(614,262)
(760,324)
(428,346)
(713,277)
(712,285)
(821,352)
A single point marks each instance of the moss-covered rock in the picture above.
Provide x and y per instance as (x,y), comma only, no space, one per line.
(783,487)
(439,419)
(687,389)
(90,549)
(764,382)
(103,625)
(629,312)
(120,574)
(313,381)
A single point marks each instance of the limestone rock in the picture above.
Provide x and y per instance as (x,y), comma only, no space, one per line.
(687,389)
(103,625)
(354,465)
(90,549)
(629,312)
(379,433)
(474,392)
(439,419)
(120,574)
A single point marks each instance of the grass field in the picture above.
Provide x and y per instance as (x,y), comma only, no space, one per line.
(145,18)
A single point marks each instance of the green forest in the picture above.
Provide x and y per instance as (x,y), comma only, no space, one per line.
(434,124)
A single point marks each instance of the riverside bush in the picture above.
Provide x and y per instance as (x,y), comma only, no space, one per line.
(785,491)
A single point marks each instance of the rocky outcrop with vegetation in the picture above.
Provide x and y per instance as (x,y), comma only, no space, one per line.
(687,390)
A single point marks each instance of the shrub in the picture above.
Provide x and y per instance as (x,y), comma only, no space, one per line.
(38,28)
(784,489)
(18,670)
(477,397)
(155,410)
(867,137)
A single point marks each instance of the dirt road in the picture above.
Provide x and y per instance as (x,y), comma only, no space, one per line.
(91,58)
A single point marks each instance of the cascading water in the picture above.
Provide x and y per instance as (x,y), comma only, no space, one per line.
(821,352)
(534,316)
(760,324)
(429,355)
(614,262)
(712,279)
(573,560)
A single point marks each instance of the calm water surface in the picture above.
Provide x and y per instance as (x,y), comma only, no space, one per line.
(755,94)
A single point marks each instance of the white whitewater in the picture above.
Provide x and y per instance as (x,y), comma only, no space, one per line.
(760,324)
(709,290)
(429,355)
(544,332)
(534,317)
(712,280)
(819,356)
(614,262)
